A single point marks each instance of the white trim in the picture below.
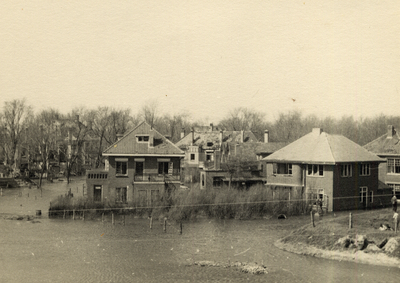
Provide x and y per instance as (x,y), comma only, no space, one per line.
(163,159)
(121,159)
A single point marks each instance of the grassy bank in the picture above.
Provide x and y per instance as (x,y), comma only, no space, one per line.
(328,230)
(223,203)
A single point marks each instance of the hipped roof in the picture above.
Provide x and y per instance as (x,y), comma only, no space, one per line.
(128,144)
(318,147)
(385,145)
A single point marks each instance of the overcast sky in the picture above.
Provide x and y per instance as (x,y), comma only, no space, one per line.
(203,57)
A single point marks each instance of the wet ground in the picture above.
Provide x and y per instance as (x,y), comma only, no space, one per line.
(66,250)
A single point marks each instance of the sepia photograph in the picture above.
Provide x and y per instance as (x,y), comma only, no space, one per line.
(199,141)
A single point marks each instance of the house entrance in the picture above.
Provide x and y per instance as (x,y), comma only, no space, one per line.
(97,193)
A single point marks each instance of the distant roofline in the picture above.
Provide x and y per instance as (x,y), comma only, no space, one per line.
(148,154)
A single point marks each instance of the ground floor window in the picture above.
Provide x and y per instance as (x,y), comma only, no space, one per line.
(217,182)
(363,194)
(121,195)
(370,196)
(395,187)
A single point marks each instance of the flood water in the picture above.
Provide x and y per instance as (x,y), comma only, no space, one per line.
(66,250)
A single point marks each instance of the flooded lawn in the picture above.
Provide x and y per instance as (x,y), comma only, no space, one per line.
(66,250)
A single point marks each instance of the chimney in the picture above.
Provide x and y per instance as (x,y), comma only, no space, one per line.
(266,136)
(317,131)
(119,136)
(391,132)
(242,136)
(221,137)
(192,130)
(183,133)
(212,127)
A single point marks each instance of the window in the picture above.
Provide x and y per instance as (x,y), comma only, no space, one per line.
(346,170)
(283,168)
(315,170)
(395,187)
(217,182)
(121,168)
(364,169)
(192,156)
(363,194)
(120,195)
(210,144)
(163,168)
(393,166)
(142,138)
(209,157)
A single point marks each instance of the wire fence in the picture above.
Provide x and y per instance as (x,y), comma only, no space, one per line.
(275,201)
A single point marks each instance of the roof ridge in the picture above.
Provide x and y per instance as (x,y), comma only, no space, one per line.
(329,144)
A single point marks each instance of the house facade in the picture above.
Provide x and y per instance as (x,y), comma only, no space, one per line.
(240,164)
(203,148)
(331,168)
(387,147)
(139,168)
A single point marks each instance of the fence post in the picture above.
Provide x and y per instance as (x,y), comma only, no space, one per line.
(112,218)
(83,215)
(123,220)
(180,228)
(165,224)
(73,214)
(102,217)
(64,214)
(350,221)
(151,222)
(312,219)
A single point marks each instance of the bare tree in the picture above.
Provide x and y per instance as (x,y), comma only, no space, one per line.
(149,112)
(42,141)
(77,127)
(15,115)
(245,119)
(238,165)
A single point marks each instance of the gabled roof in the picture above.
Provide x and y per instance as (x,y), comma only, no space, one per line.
(318,147)
(129,146)
(388,144)
(201,138)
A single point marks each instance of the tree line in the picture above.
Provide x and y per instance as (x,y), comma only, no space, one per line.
(51,135)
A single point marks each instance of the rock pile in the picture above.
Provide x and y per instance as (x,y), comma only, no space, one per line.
(360,242)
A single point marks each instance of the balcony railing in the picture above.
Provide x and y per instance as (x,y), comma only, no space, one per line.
(96,174)
(156,178)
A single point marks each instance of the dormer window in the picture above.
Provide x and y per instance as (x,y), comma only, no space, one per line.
(142,138)
(210,144)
